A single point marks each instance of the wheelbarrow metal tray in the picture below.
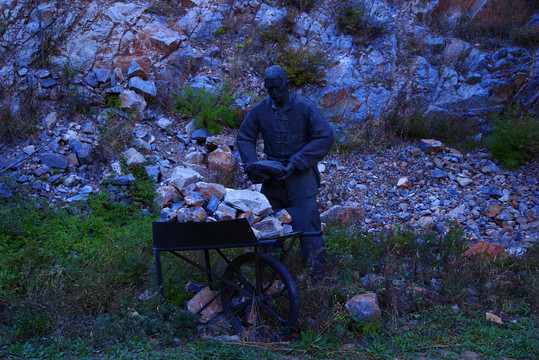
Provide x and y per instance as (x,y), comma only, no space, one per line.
(169,236)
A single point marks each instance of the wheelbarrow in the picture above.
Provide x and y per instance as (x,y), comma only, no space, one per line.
(257,292)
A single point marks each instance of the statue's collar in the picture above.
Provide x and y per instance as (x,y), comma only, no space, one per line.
(287,105)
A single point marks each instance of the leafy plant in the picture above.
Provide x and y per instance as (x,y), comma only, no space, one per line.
(207,109)
(303,66)
(515,138)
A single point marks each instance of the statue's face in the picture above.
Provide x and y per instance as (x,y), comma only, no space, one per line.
(277,90)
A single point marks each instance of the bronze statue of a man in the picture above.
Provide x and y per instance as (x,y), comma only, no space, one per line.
(296,135)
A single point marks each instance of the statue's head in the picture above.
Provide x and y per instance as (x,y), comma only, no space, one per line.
(276,84)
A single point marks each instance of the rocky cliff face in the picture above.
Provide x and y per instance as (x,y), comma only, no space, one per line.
(419,61)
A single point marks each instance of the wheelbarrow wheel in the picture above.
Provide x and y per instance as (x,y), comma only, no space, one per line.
(269,311)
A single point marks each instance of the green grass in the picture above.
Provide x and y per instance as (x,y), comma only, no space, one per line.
(71,277)
(515,138)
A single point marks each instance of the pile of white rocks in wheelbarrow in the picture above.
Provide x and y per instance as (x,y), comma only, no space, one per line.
(187,198)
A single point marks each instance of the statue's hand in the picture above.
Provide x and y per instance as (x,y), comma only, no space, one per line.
(288,170)
(255,175)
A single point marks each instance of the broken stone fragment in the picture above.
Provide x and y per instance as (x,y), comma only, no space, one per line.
(182,177)
(133,157)
(431,146)
(283,216)
(194,199)
(246,200)
(343,214)
(403,183)
(191,215)
(225,212)
(269,226)
(142,86)
(131,100)
(208,190)
(201,299)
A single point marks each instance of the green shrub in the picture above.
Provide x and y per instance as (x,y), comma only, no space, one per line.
(142,192)
(301,5)
(354,19)
(515,138)
(303,66)
(207,109)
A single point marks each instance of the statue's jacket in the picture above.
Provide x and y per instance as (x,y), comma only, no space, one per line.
(296,133)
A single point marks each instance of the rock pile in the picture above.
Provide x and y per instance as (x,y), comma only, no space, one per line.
(427,185)
(187,199)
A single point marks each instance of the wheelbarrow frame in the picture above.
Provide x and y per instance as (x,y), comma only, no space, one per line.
(177,237)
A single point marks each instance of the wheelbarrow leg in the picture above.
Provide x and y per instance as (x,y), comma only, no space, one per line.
(208,266)
(159,276)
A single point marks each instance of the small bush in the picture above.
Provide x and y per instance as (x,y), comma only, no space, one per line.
(19,119)
(515,138)
(115,133)
(301,5)
(210,110)
(354,19)
(303,66)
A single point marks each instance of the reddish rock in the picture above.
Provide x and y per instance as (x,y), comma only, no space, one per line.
(207,190)
(493,251)
(431,146)
(343,214)
(221,159)
(404,183)
(168,195)
(492,210)
(494,318)
(364,306)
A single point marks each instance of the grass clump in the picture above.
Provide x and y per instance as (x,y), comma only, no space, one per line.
(211,110)
(416,124)
(515,138)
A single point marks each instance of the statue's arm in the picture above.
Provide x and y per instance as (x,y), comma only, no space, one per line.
(246,138)
(320,141)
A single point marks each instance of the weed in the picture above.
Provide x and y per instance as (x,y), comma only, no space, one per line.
(207,109)
(515,138)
